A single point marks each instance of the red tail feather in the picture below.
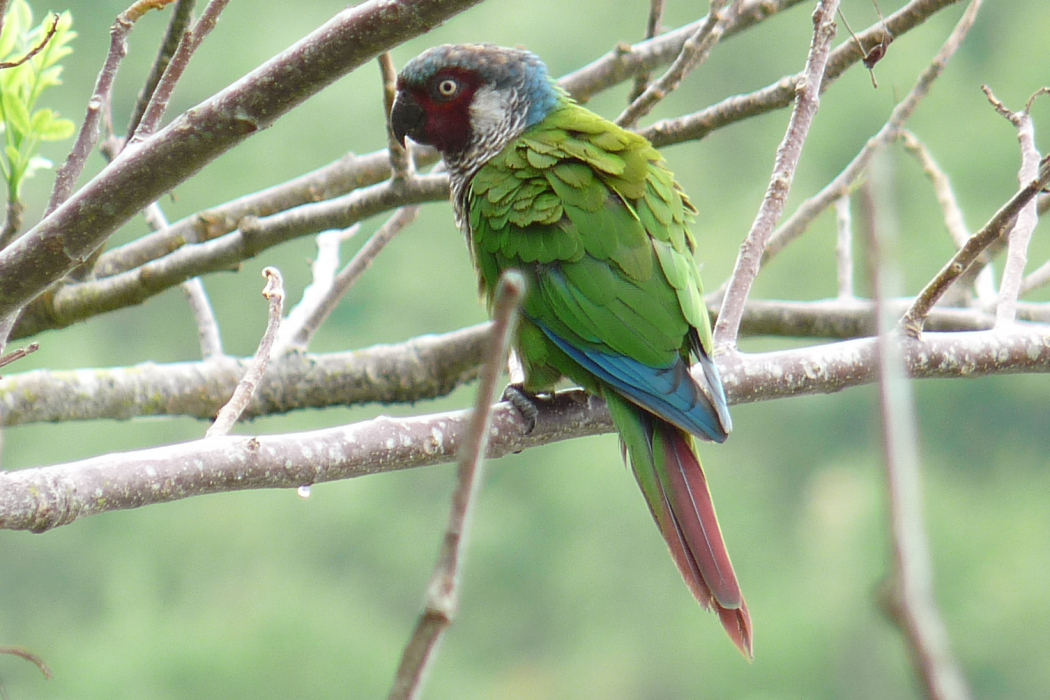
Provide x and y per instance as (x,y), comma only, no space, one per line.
(693,534)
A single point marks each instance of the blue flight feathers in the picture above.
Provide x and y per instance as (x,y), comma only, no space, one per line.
(669,392)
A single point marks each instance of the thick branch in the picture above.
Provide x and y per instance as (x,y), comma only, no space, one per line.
(422,368)
(66,237)
(75,302)
(43,498)
(806,104)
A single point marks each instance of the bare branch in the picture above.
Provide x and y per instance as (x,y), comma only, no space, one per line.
(19,651)
(912,322)
(780,94)
(16,355)
(181,16)
(626,61)
(788,154)
(293,334)
(920,619)
(67,176)
(443,591)
(42,498)
(12,221)
(694,52)
(1037,280)
(341,177)
(36,49)
(652,29)
(813,207)
(400,156)
(422,368)
(300,335)
(942,187)
(1027,217)
(68,235)
(231,412)
(75,302)
(207,326)
(188,44)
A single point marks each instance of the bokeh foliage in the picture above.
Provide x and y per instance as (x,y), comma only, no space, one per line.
(569,591)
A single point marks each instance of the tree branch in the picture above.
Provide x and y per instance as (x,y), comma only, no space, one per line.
(694,52)
(232,410)
(39,499)
(188,44)
(181,16)
(780,94)
(916,607)
(787,157)
(67,176)
(66,237)
(913,320)
(75,302)
(813,207)
(443,591)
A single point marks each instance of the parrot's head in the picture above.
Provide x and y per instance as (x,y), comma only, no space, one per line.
(470,100)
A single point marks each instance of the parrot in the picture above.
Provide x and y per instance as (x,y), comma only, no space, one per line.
(594,220)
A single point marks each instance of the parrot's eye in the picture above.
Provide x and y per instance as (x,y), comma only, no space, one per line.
(448,88)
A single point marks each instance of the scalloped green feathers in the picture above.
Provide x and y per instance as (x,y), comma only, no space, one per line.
(597,201)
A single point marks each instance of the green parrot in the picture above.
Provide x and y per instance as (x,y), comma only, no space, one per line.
(594,220)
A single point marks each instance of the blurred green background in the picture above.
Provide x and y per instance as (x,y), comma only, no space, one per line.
(568,590)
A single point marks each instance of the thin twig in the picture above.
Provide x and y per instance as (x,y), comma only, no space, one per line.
(25,653)
(36,49)
(809,210)
(942,187)
(189,43)
(844,247)
(914,607)
(400,156)
(788,153)
(652,28)
(1027,217)
(301,334)
(204,315)
(16,355)
(181,16)
(1037,280)
(781,93)
(443,591)
(694,52)
(293,335)
(913,320)
(67,175)
(228,415)
(980,278)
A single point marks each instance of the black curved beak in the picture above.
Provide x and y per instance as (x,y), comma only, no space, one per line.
(407,118)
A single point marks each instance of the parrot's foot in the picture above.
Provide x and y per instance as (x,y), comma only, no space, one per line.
(525,402)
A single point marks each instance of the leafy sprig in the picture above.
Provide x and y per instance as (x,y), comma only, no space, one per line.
(30,58)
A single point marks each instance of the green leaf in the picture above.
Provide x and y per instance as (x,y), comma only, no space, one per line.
(15,114)
(57,130)
(16,23)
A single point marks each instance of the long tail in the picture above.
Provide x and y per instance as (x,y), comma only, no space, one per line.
(669,473)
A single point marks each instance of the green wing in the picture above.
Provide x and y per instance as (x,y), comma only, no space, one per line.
(593,218)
